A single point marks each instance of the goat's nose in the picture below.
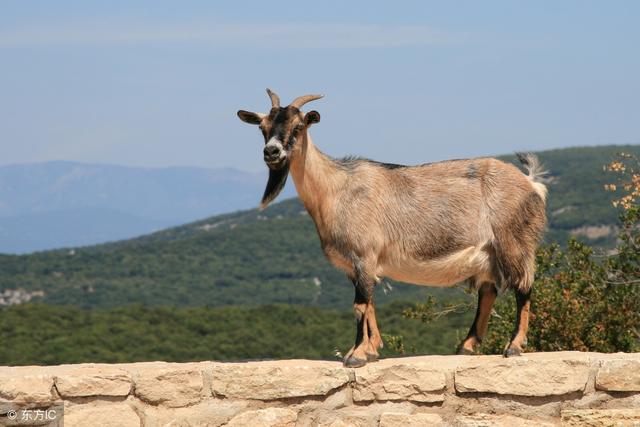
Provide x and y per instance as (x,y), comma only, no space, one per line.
(271,151)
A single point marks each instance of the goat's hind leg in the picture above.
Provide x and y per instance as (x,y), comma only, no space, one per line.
(520,278)
(487,294)
(375,339)
(516,243)
(519,337)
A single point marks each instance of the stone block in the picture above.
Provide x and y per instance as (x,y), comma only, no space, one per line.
(276,380)
(27,389)
(500,420)
(421,419)
(170,386)
(601,417)
(269,417)
(93,381)
(346,417)
(101,415)
(523,376)
(207,413)
(619,375)
(417,383)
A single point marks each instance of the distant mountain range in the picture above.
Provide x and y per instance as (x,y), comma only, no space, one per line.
(60,204)
(252,257)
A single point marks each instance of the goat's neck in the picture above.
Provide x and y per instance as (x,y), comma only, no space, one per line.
(317,179)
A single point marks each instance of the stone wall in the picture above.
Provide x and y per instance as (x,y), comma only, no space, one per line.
(538,389)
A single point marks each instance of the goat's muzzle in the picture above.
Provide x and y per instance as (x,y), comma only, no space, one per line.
(274,155)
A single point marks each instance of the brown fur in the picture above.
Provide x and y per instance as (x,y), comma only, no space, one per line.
(434,224)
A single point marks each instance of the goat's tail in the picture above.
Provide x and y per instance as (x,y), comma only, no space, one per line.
(535,173)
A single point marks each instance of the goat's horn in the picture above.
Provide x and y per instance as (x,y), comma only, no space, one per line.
(301,100)
(275,100)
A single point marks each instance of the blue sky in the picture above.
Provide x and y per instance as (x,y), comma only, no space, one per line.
(157,83)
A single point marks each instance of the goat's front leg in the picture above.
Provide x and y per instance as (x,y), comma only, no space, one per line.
(368,338)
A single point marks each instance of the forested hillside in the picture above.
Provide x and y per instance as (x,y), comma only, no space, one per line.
(43,334)
(253,257)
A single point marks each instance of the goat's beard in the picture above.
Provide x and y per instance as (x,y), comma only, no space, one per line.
(275,184)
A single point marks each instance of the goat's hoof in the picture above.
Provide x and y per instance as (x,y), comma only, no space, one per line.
(354,362)
(372,357)
(464,352)
(512,352)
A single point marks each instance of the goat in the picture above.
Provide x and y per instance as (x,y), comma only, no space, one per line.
(435,224)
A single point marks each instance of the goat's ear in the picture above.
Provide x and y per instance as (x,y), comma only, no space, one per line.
(249,117)
(311,117)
